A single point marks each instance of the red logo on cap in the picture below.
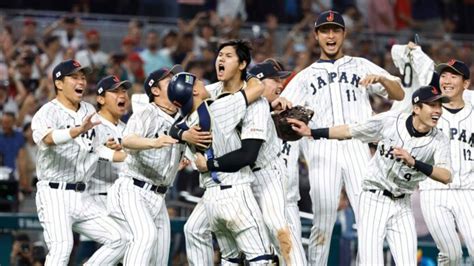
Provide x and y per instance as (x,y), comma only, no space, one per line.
(177,104)
(330,17)
(75,63)
(116,79)
(451,62)
(434,90)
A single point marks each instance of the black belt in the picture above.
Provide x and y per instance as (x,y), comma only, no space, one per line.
(79,187)
(388,194)
(256,169)
(154,188)
(102,194)
(225,187)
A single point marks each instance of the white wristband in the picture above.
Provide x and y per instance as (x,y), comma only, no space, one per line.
(61,136)
(106,153)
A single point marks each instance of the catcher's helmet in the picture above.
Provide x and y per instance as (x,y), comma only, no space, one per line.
(180,91)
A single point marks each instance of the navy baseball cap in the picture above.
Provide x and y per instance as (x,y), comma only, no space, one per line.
(157,75)
(428,94)
(268,70)
(69,67)
(111,83)
(457,66)
(180,91)
(329,17)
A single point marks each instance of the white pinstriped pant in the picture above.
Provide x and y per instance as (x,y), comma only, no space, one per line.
(331,163)
(382,217)
(443,211)
(146,217)
(269,189)
(62,211)
(233,215)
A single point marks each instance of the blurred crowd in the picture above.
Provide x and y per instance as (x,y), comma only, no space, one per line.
(29,52)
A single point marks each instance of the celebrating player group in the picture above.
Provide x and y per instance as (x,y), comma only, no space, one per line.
(108,180)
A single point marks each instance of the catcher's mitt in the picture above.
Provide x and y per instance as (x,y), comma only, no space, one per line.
(284,130)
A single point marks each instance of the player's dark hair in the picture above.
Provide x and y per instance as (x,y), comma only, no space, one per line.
(419,105)
(242,49)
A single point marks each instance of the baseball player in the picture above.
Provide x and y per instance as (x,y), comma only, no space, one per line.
(138,196)
(231,64)
(289,153)
(337,88)
(409,150)
(260,150)
(68,149)
(447,207)
(112,101)
(228,202)
(231,57)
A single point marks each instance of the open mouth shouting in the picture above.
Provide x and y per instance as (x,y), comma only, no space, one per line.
(220,70)
(79,91)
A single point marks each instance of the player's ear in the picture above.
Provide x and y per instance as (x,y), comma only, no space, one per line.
(466,83)
(100,99)
(155,91)
(58,83)
(315,33)
(243,65)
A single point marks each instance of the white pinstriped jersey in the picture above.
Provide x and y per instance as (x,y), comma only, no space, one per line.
(106,172)
(417,70)
(290,154)
(339,82)
(258,124)
(73,161)
(215,89)
(384,171)
(459,128)
(158,166)
(226,113)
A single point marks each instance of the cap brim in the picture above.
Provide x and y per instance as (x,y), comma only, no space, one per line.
(441,67)
(284,74)
(126,84)
(85,69)
(441,98)
(329,23)
(173,71)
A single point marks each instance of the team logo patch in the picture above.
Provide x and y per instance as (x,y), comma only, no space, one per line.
(260,75)
(417,99)
(451,62)
(330,17)
(58,74)
(151,82)
(189,79)
(434,90)
(116,79)
(75,63)
(100,90)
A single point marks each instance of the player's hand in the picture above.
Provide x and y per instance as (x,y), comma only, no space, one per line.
(300,127)
(88,123)
(113,145)
(201,163)
(199,138)
(403,155)
(411,45)
(281,104)
(183,163)
(164,141)
(371,79)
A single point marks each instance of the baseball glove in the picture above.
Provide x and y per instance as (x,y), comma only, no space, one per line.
(283,128)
